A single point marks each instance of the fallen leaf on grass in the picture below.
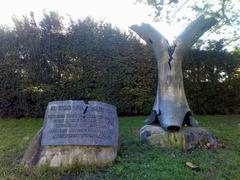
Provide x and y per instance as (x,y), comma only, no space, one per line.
(135,130)
(26,138)
(221,145)
(192,166)
(207,146)
(210,170)
(210,146)
(173,155)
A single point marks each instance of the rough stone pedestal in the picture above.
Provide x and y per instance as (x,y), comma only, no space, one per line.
(187,138)
(67,156)
(75,133)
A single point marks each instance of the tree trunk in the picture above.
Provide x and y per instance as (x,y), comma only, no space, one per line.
(171,108)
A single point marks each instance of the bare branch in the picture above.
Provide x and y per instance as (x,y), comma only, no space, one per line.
(181,6)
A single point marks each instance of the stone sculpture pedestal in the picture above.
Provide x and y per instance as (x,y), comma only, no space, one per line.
(67,156)
(186,139)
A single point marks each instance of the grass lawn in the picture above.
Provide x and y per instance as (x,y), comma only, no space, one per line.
(135,160)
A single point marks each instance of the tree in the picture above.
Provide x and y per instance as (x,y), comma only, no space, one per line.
(45,61)
(171,108)
(227,13)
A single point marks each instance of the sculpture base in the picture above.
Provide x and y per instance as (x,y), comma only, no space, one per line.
(186,139)
(67,156)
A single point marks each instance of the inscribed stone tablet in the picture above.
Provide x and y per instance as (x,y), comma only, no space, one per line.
(77,123)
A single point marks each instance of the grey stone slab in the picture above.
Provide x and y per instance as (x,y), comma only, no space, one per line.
(79,123)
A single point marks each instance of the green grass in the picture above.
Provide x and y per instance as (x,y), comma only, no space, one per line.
(135,160)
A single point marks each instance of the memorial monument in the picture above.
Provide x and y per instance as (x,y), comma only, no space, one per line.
(171,112)
(75,133)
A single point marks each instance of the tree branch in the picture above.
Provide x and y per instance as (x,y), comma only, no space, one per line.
(194,31)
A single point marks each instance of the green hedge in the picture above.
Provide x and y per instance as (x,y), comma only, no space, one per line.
(94,61)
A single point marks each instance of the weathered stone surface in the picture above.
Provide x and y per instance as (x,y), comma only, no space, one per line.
(187,138)
(71,155)
(79,123)
(75,133)
(67,156)
(31,155)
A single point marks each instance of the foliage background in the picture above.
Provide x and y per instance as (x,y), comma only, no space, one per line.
(46,61)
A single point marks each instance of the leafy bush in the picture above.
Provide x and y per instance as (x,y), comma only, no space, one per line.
(94,61)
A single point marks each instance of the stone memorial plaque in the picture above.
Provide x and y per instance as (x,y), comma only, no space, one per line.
(79,123)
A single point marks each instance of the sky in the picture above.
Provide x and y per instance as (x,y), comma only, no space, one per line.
(121,13)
